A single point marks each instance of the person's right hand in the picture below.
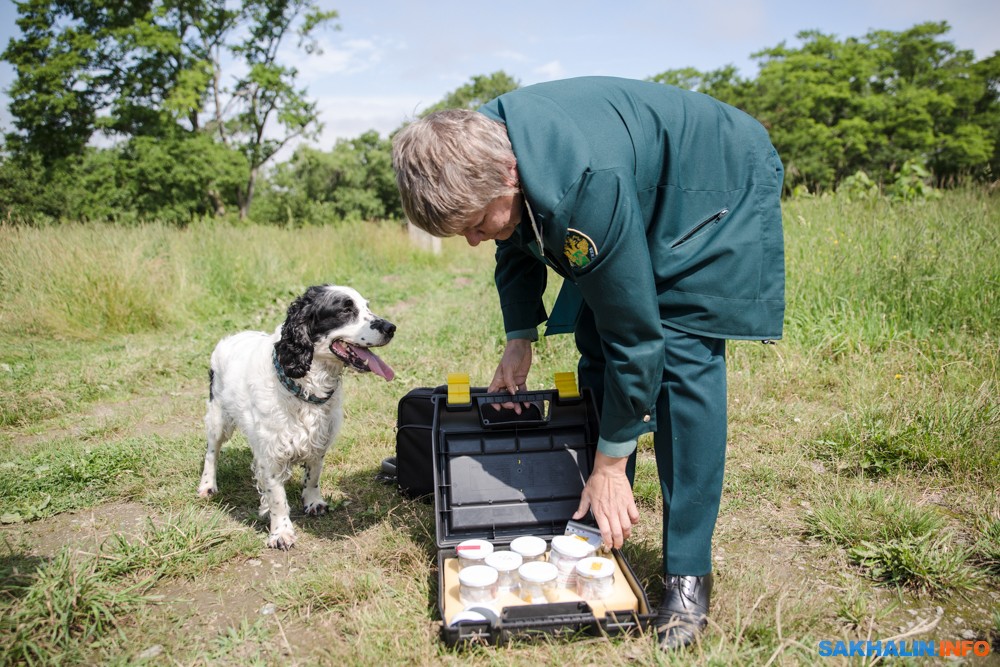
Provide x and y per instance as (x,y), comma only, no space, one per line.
(608,496)
(512,372)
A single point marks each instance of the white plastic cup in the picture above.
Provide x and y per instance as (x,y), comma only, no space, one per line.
(477,586)
(595,578)
(472,552)
(473,616)
(538,581)
(529,547)
(567,551)
(506,564)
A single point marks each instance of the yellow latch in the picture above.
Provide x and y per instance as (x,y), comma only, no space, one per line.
(566,385)
(458,389)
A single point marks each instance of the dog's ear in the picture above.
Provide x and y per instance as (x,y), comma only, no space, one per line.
(295,349)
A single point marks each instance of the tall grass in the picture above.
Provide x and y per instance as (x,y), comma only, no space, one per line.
(84,281)
(865,273)
(95,288)
(859,272)
(907,294)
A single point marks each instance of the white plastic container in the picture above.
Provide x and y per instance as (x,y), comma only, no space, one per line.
(477,586)
(472,552)
(473,616)
(506,564)
(595,578)
(567,551)
(538,581)
(529,547)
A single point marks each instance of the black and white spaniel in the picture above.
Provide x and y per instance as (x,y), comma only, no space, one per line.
(284,392)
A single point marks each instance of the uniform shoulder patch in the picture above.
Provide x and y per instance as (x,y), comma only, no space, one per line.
(579,249)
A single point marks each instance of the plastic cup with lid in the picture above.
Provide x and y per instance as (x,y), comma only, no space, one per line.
(567,551)
(467,616)
(477,586)
(529,547)
(506,564)
(595,578)
(538,581)
(472,552)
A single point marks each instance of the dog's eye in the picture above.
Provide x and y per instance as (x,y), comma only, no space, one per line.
(344,311)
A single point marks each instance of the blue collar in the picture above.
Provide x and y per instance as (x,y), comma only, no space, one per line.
(294,387)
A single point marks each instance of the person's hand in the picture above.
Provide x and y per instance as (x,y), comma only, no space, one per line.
(512,373)
(608,495)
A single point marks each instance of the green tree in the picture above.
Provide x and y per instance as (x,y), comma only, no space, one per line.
(156,68)
(146,178)
(179,179)
(723,84)
(935,89)
(58,87)
(23,196)
(354,180)
(835,108)
(987,109)
(480,90)
(267,92)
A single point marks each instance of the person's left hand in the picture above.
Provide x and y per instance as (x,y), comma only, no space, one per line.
(608,495)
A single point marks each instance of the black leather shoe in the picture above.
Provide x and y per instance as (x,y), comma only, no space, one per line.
(684,610)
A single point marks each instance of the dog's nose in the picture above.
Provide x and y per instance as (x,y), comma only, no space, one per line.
(385,327)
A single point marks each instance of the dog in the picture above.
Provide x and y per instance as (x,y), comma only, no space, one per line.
(284,391)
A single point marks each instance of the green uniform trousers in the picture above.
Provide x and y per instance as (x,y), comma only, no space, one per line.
(690,439)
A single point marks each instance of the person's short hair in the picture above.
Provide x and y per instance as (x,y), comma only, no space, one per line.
(449,165)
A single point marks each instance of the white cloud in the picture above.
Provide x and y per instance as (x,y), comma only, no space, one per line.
(337,58)
(513,56)
(733,20)
(550,70)
(349,116)
(346,116)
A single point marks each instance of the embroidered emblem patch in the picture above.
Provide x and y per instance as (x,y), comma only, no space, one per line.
(579,249)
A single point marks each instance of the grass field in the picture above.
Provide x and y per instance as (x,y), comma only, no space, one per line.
(862,496)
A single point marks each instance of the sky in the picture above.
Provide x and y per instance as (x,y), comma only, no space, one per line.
(390,59)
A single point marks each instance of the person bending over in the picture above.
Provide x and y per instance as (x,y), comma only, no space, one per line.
(660,209)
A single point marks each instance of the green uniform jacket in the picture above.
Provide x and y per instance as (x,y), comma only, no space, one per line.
(661,205)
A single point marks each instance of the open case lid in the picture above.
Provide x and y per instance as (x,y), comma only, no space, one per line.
(498,475)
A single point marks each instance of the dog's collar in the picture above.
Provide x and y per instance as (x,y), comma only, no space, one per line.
(294,387)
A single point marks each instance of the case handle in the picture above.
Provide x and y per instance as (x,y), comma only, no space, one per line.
(533,412)
(579,612)
(460,392)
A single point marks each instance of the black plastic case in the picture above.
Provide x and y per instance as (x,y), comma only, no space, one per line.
(498,476)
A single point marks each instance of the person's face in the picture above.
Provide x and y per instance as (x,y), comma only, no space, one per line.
(496,222)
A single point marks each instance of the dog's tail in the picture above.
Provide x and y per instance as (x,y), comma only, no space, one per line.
(211,383)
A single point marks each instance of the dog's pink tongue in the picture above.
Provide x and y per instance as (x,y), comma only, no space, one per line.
(375,365)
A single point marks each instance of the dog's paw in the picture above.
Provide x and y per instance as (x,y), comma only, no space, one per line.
(313,503)
(284,539)
(316,509)
(207,490)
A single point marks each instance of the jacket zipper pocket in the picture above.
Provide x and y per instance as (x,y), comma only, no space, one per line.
(700,226)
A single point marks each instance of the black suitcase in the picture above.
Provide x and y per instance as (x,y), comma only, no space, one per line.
(498,476)
(413,470)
